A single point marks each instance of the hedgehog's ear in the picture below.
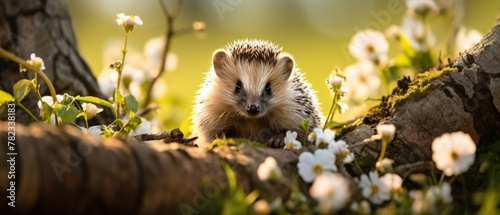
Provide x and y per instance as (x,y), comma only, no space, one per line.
(285,62)
(221,59)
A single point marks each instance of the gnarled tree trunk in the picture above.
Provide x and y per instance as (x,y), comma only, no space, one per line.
(43,27)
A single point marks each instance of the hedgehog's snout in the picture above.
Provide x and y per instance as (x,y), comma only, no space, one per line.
(253,108)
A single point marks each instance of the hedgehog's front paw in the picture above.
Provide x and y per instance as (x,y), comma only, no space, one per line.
(277,140)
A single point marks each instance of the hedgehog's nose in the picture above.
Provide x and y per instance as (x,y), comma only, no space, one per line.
(253,108)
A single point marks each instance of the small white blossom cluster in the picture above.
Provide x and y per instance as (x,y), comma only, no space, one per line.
(370,48)
(34,61)
(329,188)
(466,38)
(139,67)
(90,110)
(453,154)
(414,27)
(49,101)
(336,84)
(325,139)
(128,21)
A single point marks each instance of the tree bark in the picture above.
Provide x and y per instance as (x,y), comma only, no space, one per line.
(44,27)
(59,170)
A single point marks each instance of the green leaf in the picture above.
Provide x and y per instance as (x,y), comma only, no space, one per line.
(67,99)
(67,113)
(107,132)
(5,98)
(46,112)
(131,124)
(94,100)
(21,89)
(131,103)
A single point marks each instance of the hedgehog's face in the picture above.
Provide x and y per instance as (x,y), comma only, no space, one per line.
(253,86)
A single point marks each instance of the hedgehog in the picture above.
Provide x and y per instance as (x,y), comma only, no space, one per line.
(253,91)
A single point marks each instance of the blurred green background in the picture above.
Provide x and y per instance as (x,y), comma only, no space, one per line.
(315,32)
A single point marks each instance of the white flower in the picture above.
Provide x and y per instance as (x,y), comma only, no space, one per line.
(386,132)
(160,88)
(369,45)
(268,169)
(420,204)
(315,134)
(311,165)
(128,21)
(362,79)
(341,150)
(394,182)
(439,195)
(132,79)
(93,131)
(153,52)
(362,207)
(385,165)
(35,61)
(91,110)
(373,188)
(453,153)
(334,82)
(291,142)
(321,137)
(466,39)
(331,190)
(419,37)
(49,100)
(421,7)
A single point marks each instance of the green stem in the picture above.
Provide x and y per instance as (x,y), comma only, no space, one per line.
(384,148)
(120,71)
(10,56)
(331,112)
(27,111)
(441,179)
(335,107)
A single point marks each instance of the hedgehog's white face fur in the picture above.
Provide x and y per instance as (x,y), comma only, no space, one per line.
(251,79)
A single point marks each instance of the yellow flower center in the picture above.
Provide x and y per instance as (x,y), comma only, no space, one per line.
(454,155)
(289,145)
(370,48)
(313,136)
(363,79)
(329,193)
(420,39)
(374,189)
(317,168)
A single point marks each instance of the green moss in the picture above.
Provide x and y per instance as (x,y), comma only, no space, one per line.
(232,142)
(348,128)
(417,88)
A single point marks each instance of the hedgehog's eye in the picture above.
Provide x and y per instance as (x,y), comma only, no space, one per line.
(238,87)
(268,89)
